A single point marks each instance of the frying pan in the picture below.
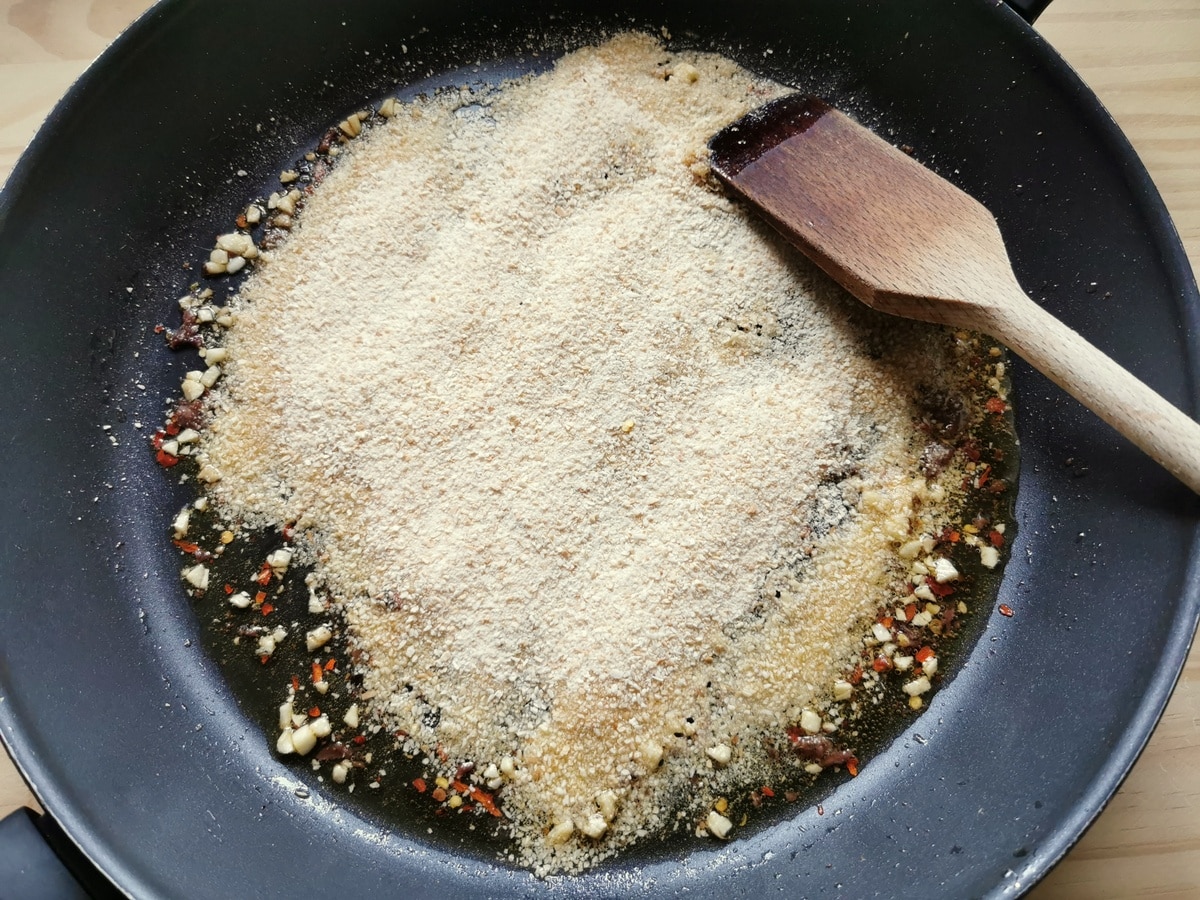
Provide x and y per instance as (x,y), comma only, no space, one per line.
(125,726)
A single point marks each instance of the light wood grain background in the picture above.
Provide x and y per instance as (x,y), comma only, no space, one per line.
(1143,59)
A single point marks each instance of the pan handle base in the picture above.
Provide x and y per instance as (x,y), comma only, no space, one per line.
(31,866)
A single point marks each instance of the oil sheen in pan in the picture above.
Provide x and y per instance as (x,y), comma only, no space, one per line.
(392,797)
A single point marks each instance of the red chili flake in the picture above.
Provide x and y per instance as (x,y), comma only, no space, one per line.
(359,739)
(419,784)
(1005,609)
(881,664)
(327,140)
(923,654)
(187,414)
(331,665)
(315,711)
(982,478)
(295,683)
(229,589)
(165,459)
(460,787)
(887,621)
(464,771)
(439,794)
(909,611)
(259,598)
(267,609)
(263,659)
(186,546)
(318,675)
(941,590)
(241,221)
(995,405)
(852,767)
(953,537)
(996,539)
(484,799)
(264,575)
(856,675)
(288,530)
(159,329)
(156,441)
(767,792)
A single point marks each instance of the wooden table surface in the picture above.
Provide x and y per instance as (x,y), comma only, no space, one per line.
(1142,57)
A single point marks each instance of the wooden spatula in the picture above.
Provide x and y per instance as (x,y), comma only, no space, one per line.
(906,241)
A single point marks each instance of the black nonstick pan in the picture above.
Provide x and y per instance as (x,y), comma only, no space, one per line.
(125,726)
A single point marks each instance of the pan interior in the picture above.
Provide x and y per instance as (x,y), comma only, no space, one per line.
(139,169)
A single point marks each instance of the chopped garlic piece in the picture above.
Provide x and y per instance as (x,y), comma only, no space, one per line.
(197,576)
(318,637)
(606,802)
(304,739)
(917,687)
(718,825)
(280,560)
(810,721)
(651,753)
(944,571)
(923,592)
(560,833)
(595,826)
(192,389)
(286,711)
(721,754)
(209,474)
(284,744)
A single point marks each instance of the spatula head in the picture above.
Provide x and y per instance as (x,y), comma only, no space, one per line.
(894,234)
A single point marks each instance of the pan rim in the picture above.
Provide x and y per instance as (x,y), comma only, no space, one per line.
(1169,667)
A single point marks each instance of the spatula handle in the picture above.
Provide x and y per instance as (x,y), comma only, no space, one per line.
(1161,430)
